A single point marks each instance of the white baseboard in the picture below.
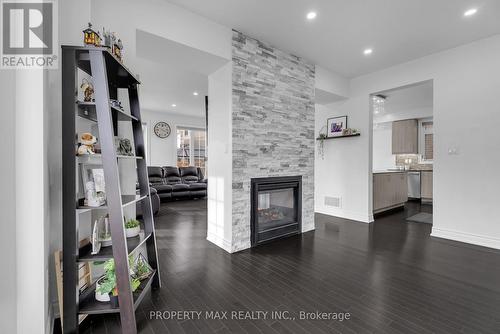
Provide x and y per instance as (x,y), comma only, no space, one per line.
(358,217)
(468,238)
(219,241)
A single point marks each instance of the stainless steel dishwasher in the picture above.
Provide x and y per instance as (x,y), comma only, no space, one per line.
(414,185)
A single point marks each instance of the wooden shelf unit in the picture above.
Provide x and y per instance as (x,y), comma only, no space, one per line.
(108,75)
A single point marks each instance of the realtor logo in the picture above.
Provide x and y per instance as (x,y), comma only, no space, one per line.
(29,34)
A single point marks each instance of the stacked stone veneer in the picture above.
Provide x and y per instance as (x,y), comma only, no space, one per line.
(272,126)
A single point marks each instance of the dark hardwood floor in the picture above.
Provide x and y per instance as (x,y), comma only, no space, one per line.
(390,276)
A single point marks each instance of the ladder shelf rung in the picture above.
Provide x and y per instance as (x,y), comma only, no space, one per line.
(106,253)
(88,110)
(97,158)
(126,201)
(89,305)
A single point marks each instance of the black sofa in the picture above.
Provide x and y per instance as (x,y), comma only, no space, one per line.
(173,183)
(155,203)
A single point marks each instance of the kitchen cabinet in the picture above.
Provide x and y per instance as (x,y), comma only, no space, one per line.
(390,190)
(426,185)
(405,137)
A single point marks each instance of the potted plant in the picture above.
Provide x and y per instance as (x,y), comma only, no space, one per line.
(142,269)
(132,228)
(107,284)
(321,144)
(102,297)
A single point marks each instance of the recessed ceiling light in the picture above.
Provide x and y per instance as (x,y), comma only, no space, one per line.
(195,93)
(174,105)
(470,12)
(311,15)
(368,52)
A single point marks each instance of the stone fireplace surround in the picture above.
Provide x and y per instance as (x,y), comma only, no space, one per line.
(272,127)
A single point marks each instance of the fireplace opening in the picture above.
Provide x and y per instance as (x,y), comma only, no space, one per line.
(276,208)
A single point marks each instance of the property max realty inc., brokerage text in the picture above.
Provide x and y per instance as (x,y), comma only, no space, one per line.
(181,315)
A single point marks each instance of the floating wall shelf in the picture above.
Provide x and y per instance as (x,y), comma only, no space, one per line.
(327,138)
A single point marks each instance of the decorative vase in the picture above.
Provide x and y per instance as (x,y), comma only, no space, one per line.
(104,298)
(132,232)
(113,300)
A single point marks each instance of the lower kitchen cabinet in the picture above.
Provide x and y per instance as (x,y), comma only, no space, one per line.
(426,186)
(390,190)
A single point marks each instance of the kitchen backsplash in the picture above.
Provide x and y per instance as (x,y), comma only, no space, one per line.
(412,160)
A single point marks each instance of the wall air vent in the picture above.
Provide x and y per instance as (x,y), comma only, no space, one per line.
(333,201)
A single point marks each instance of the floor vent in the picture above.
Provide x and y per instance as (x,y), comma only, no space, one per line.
(333,201)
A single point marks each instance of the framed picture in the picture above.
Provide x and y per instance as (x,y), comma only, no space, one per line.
(335,125)
(95,173)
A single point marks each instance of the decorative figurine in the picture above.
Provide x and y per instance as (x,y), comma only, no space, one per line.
(106,35)
(88,90)
(116,46)
(87,142)
(92,199)
(125,147)
(91,37)
(116,104)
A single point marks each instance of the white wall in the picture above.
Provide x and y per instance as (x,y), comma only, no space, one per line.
(343,170)
(466,118)
(382,147)
(332,82)
(219,228)
(8,279)
(163,152)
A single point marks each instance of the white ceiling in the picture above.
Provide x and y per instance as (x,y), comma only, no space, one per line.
(397,30)
(171,73)
(409,102)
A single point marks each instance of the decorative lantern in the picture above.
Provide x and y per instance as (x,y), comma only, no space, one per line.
(90,37)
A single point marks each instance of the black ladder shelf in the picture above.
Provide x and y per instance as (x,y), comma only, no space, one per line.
(108,75)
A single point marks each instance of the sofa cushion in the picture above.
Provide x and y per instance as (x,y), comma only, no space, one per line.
(180,187)
(189,174)
(163,188)
(155,174)
(172,175)
(171,171)
(154,171)
(190,179)
(198,186)
(188,171)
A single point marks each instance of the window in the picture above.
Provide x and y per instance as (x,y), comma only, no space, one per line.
(191,144)
(427,141)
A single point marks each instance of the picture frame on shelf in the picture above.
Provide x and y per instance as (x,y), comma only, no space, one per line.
(335,126)
(95,173)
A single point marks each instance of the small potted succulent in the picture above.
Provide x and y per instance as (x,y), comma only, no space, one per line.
(132,228)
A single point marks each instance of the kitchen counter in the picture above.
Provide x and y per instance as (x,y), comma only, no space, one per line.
(385,171)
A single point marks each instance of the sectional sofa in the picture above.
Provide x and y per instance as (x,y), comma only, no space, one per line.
(173,183)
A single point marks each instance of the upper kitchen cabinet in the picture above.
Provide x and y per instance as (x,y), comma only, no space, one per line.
(405,137)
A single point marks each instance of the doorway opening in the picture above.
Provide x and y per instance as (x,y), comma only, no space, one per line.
(403,150)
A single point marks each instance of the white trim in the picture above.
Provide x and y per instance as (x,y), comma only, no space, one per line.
(358,217)
(219,241)
(468,238)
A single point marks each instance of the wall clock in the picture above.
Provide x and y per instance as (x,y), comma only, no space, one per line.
(162,129)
